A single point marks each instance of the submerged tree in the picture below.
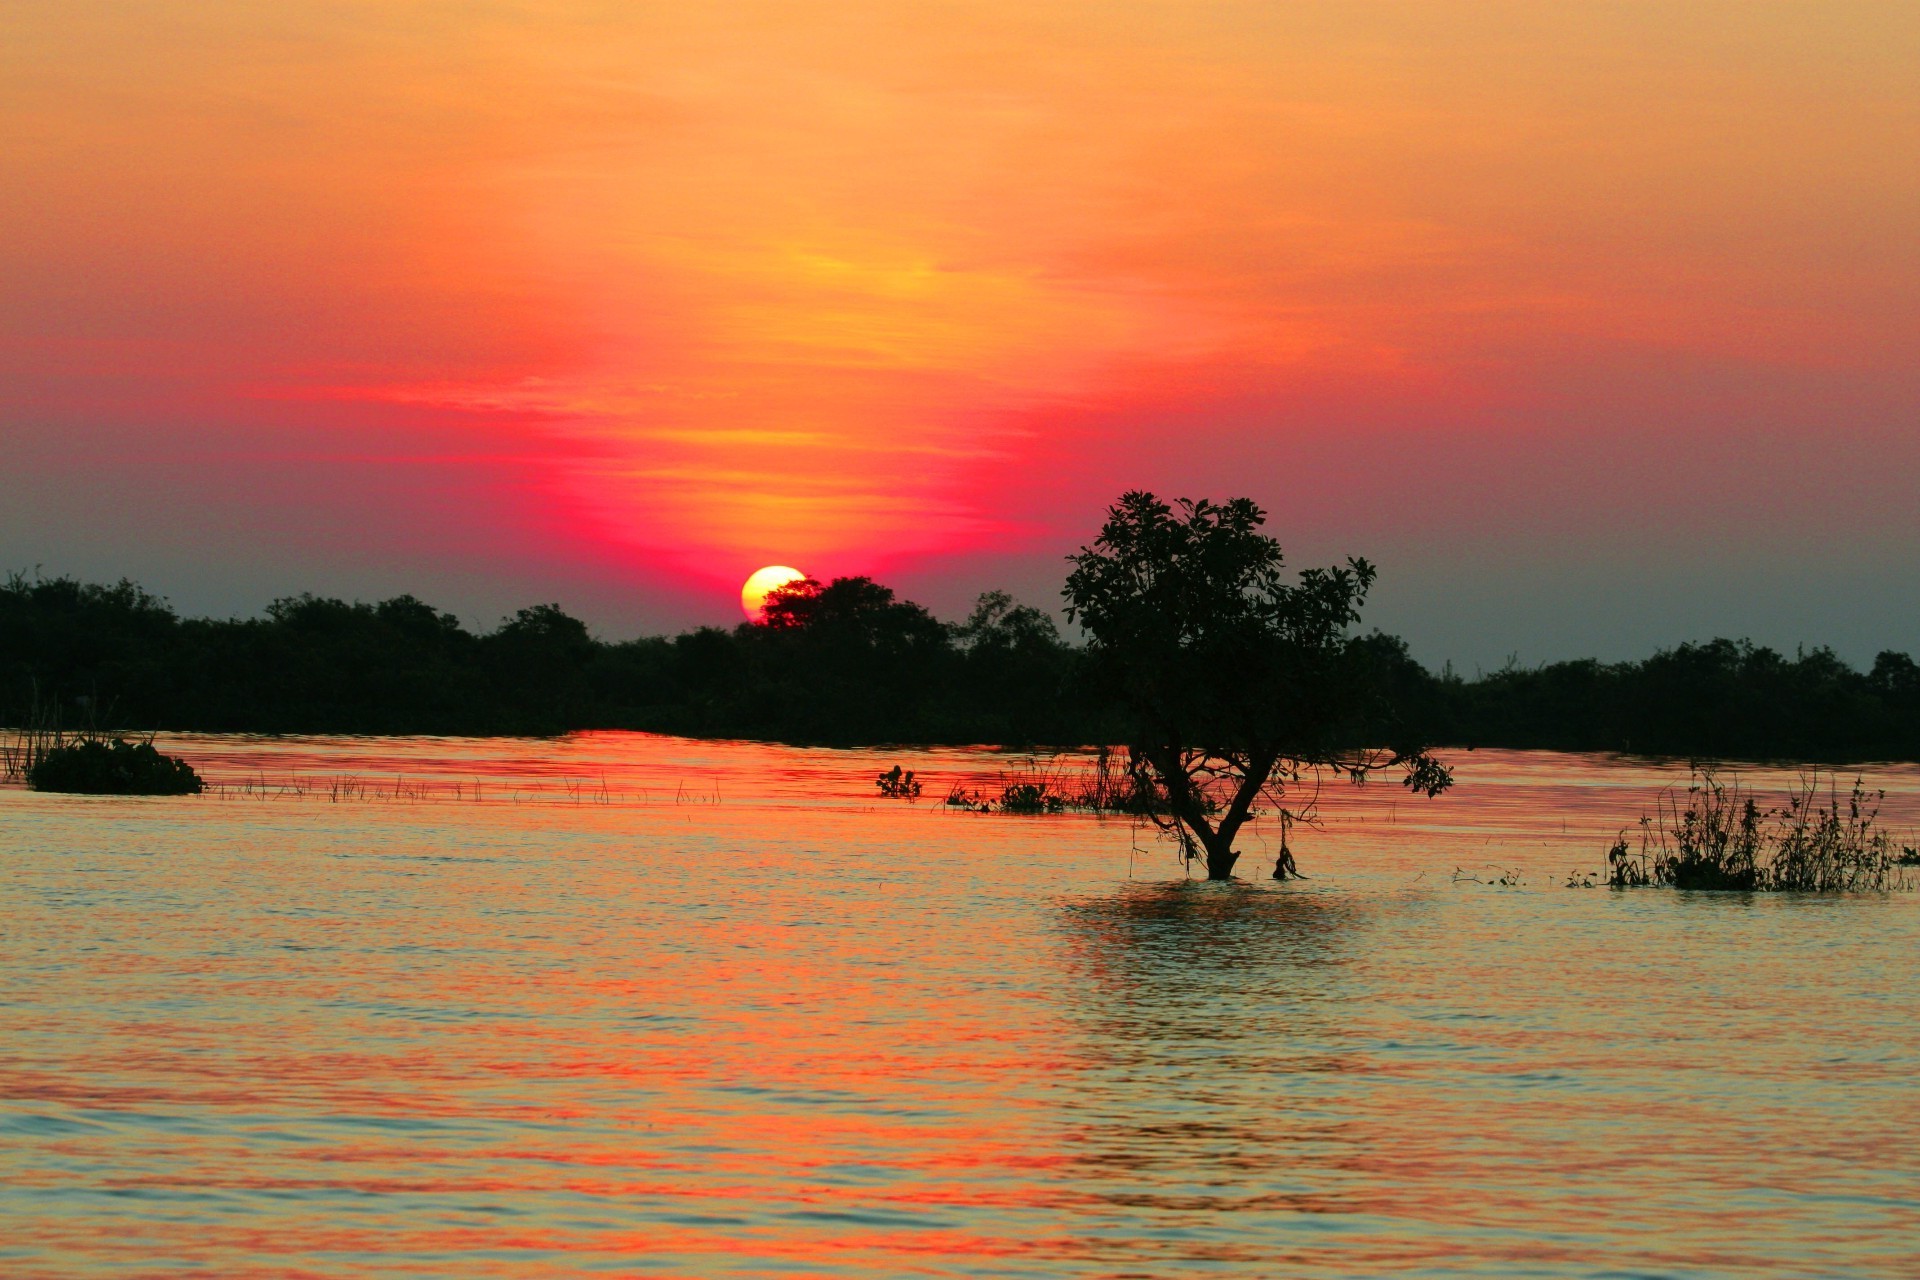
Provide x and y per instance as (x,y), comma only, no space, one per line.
(1236,685)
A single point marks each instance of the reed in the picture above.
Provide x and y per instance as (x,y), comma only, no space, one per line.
(1713,835)
(1033,787)
(1057,784)
(1115,786)
(38,735)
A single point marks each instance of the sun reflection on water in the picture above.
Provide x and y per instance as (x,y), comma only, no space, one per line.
(715,1008)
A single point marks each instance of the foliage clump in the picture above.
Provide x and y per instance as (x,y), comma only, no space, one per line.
(113,767)
(1715,836)
(1033,788)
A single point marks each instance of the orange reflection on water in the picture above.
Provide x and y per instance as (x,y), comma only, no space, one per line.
(716,1008)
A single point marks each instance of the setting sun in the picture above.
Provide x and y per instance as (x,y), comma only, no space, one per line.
(754,594)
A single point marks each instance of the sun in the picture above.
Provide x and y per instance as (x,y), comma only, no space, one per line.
(754,594)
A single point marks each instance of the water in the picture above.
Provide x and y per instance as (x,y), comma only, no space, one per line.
(635,1005)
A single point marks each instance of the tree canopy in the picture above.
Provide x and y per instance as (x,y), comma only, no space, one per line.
(1234,683)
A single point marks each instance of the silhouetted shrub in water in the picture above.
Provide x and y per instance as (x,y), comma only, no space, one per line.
(1115,786)
(1030,797)
(1823,847)
(898,784)
(113,767)
(1055,785)
(1624,870)
(1015,797)
(1036,788)
(1715,837)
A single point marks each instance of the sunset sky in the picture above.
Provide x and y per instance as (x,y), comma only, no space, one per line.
(1597,327)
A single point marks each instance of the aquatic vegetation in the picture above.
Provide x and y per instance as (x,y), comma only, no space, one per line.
(1033,788)
(89,761)
(1060,784)
(898,784)
(1713,835)
(25,749)
(1030,797)
(94,765)
(1115,786)
(1494,876)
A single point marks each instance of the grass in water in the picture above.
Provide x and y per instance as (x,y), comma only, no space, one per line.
(1713,835)
(1058,785)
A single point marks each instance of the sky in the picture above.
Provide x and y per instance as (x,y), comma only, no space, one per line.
(1596,327)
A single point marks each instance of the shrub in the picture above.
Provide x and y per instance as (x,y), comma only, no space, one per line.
(1030,797)
(113,767)
(1715,837)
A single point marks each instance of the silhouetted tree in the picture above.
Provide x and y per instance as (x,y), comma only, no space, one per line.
(851,611)
(542,653)
(847,661)
(81,645)
(998,622)
(1235,683)
(1016,673)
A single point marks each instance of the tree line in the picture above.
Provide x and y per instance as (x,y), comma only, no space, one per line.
(848,662)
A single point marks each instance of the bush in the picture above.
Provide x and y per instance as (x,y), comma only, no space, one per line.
(113,767)
(1715,837)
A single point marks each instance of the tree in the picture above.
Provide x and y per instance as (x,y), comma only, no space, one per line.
(538,659)
(845,662)
(1015,674)
(998,623)
(1235,685)
(850,611)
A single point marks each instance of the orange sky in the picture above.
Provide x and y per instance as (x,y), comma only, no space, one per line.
(631,298)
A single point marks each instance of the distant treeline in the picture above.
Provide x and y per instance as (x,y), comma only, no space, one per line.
(855,665)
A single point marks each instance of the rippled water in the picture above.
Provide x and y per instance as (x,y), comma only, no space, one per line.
(640,1005)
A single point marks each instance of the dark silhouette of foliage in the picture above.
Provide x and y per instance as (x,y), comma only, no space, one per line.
(1715,836)
(852,663)
(113,767)
(1235,683)
(1723,699)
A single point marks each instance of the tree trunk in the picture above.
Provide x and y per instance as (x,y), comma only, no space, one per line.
(1220,856)
(1189,806)
(1218,840)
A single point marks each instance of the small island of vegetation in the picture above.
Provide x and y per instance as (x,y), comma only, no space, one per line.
(1714,835)
(113,767)
(93,763)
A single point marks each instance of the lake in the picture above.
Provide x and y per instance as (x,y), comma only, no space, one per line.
(625,1004)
